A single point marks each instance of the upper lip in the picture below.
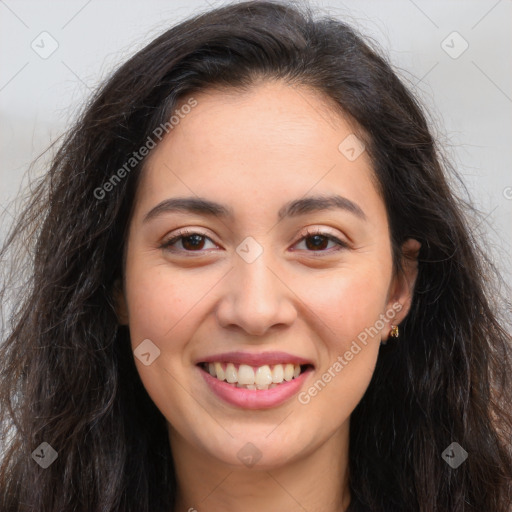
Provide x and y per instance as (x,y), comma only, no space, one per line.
(252,359)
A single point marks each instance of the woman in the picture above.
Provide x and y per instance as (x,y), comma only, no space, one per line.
(252,289)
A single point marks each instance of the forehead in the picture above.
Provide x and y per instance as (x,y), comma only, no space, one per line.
(258,148)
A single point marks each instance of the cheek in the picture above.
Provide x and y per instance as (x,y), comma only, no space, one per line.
(349,307)
(363,299)
(348,301)
(161,309)
(158,299)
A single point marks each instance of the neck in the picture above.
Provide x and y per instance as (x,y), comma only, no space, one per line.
(316,482)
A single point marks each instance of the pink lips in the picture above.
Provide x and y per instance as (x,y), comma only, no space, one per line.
(252,398)
(260,359)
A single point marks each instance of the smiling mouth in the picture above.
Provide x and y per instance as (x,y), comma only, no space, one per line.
(254,377)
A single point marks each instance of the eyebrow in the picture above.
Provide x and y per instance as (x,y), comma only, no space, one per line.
(294,208)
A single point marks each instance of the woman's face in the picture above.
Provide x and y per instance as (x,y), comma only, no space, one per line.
(266,282)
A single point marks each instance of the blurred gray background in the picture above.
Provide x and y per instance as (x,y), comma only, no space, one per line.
(455,55)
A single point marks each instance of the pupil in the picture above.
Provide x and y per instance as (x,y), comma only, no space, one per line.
(193,241)
(320,242)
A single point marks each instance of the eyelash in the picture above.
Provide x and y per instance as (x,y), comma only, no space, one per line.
(308,234)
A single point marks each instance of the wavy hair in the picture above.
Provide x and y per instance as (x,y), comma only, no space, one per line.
(67,374)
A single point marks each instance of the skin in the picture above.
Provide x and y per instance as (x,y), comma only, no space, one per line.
(254,151)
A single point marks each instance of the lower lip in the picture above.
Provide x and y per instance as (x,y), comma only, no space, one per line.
(255,398)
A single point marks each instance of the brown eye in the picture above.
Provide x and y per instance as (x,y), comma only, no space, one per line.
(319,241)
(187,242)
(192,242)
(316,242)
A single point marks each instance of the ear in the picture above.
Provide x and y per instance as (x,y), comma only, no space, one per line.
(121,308)
(402,286)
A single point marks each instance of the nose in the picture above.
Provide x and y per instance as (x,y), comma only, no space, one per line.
(255,298)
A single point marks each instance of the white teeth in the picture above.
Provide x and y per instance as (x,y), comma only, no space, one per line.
(263,377)
(246,374)
(277,374)
(220,372)
(231,374)
(288,372)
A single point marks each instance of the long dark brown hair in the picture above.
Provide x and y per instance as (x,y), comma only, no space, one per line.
(67,372)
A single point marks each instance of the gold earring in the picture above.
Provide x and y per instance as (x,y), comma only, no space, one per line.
(394,332)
